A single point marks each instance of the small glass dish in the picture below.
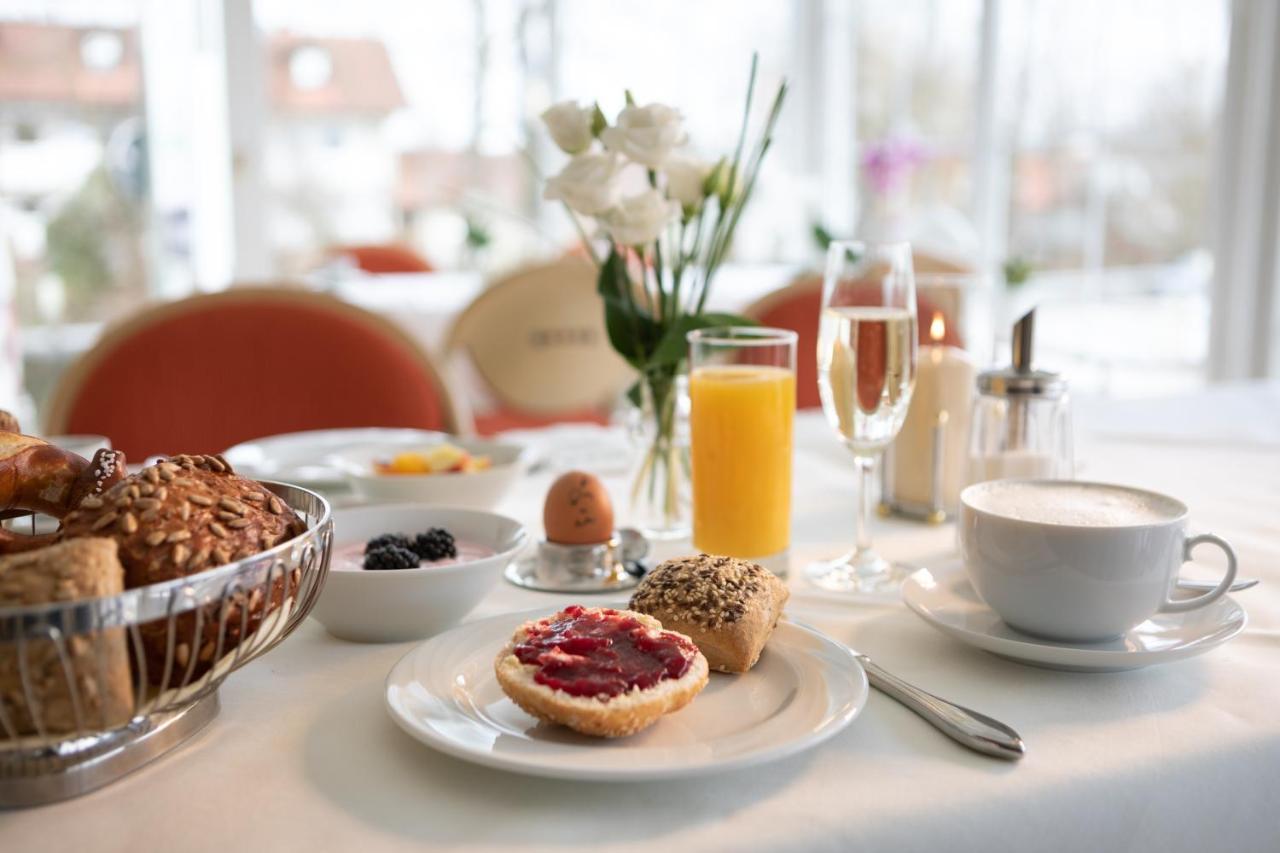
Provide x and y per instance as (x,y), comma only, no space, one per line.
(606,567)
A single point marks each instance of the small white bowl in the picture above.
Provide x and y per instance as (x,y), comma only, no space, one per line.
(408,604)
(478,489)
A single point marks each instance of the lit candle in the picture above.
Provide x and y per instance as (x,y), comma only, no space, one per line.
(938,420)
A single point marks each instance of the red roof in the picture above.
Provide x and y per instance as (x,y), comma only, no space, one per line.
(41,62)
(362,79)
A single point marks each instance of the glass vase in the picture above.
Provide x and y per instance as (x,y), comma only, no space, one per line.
(661,492)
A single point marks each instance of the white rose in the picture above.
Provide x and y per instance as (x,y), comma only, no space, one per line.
(686,179)
(646,134)
(639,219)
(570,126)
(588,183)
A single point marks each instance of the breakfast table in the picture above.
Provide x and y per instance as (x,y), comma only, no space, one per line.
(1185,756)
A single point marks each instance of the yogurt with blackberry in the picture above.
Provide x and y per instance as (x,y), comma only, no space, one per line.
(395,551)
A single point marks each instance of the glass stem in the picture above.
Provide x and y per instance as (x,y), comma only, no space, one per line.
(866,466)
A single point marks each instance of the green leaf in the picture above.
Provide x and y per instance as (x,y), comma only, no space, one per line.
(598,121)
(633,333)
(822,236)
(1017,271)
(612,283)
(674,346)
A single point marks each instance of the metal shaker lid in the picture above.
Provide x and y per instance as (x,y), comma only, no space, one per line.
(1020,379)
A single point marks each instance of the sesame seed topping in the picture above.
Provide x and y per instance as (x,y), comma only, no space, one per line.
(708,591)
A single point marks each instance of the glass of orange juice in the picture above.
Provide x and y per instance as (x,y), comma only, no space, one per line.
(742,396)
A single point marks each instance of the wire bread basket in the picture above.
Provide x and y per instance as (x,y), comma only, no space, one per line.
(71,720)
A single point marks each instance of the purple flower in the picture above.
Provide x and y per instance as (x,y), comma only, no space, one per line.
(888,162)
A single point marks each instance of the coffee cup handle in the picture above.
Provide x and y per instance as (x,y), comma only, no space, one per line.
(1185,604)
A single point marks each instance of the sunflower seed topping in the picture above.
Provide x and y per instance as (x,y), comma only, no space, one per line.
(104,520)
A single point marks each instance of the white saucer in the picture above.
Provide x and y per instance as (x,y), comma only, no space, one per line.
(944,598)
(804,689)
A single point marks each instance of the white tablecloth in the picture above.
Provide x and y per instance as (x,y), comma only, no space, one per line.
(1180,757)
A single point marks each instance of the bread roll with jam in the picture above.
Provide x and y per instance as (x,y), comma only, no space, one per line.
(728,607)
(601,672)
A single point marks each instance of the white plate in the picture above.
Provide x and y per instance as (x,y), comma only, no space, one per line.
(804,689)
(299,457)
(945,599)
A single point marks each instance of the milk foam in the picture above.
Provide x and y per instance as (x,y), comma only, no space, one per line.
(1076,504)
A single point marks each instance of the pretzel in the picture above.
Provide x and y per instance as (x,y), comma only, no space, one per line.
(38,477)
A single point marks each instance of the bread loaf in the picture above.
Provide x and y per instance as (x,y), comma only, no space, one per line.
(97,662)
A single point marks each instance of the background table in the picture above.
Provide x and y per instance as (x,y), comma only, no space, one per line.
(1181,757)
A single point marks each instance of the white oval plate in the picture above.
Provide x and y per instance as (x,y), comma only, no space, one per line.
(945,599)
(804,689)
(300,457)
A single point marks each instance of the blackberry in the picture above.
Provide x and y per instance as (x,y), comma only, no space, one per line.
(387,540)
(436,544)
(389,558)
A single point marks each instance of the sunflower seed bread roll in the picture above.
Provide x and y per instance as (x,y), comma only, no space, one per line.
(728,607)
(181,516)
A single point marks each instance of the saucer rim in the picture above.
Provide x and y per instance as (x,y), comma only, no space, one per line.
(1026,648)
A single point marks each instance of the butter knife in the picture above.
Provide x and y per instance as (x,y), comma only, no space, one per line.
(963,725)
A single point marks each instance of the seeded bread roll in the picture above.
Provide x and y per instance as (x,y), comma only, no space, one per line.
(179,517)
(97,661)
(728,607)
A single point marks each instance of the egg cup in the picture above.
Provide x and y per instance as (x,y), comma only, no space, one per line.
(606,567)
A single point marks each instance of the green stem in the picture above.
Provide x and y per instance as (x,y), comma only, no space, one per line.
(678,273)
(582,235)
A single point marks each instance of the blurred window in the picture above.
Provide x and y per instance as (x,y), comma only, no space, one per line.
(1109,115)
(73,171)
(1071,138)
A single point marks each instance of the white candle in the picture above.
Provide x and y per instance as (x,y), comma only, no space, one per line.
(943,395)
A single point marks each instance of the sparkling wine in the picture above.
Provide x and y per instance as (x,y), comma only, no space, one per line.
(866,370)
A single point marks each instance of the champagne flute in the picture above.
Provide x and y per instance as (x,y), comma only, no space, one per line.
(866,372)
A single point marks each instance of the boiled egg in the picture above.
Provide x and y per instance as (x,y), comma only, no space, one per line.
(578,510)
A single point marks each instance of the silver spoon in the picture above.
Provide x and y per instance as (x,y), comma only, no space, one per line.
(966,727)
(1205,586)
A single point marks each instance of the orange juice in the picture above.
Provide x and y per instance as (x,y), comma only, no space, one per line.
(740,419)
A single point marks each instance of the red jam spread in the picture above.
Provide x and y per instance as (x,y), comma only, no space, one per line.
(602,653)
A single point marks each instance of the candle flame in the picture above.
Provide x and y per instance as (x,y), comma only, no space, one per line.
(938,328)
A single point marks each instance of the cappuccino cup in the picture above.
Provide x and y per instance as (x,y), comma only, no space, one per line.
(1077,561)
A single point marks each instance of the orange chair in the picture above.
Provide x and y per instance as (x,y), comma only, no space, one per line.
(796,307)
(204,373)
(384,258)
(536,343)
